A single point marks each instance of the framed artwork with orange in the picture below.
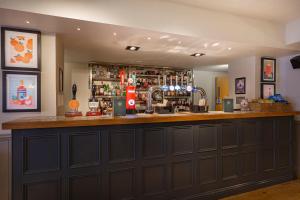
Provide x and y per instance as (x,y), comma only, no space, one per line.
(20,49)
(268,69)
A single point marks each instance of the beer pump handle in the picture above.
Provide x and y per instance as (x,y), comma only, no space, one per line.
(74,90)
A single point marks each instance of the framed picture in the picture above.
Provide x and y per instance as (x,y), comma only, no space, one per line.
(21,91)
(267,90)
(61,80)
(20,49)
(240,85)
(268,70)
(238,100)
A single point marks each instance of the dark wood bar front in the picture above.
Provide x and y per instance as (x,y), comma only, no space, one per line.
(188,159)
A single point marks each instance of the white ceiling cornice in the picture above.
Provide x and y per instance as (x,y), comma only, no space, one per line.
(161,16)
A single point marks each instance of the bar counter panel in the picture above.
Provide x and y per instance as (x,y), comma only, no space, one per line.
(173,160)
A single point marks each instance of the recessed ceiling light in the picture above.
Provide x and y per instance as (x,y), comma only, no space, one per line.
(148,38)
(205,45)
(215,44)
(27,22)
(78,29)
(198,54)
(115,34)
(229,48)
(132,48)
(164,37)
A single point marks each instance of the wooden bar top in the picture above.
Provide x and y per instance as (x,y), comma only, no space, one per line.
(61,121)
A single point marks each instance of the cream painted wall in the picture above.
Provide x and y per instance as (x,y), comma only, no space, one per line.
(292,33)
(161,16)
(206,80)
(289,81)
(48,107)
(77,73)
(48,83)
(59,65)
(244,67)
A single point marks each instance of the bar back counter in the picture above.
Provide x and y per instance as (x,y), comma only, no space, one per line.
(179,156)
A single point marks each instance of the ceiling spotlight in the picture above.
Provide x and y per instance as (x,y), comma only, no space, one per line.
(132,48)
(205,45)
(198,54)
(115,34)
(229,48)
(78,29)
(215,44)
(148,38)
(27,22)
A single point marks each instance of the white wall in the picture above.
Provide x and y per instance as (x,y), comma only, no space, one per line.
(59,65)
(48,107)
(77,73)
(48,83)
(289,81)
(292,33)
(206,80)
(244,67)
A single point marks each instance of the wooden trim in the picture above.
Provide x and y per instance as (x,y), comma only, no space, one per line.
(61,121)
(5,137)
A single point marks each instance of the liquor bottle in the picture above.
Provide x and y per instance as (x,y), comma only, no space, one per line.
(93,104)
(21,93)
(101,90)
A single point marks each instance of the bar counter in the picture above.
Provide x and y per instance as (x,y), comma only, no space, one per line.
(146,157)
(61,121)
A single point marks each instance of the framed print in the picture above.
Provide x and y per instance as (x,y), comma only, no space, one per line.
(61,80)
(21,91)
(268,70)
(20,49)
(240,85)
(267,90)
(238,100)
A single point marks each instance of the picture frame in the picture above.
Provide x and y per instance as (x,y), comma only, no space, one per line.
(240,85)
(21,91)
(61,80)
(267,90)
(238,100)
(268,69)
(20,49)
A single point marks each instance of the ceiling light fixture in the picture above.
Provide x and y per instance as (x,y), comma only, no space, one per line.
(115,34)
(164,37)
(179,42)
(132,48)
(229,48)
(205,45)
(215,44)
(78,29)
(27,22)
(198,54)
(148,38)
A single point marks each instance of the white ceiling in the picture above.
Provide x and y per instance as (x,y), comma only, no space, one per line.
(96,42)
(273,10)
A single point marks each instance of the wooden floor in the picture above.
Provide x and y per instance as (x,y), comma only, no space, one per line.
(285,191)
